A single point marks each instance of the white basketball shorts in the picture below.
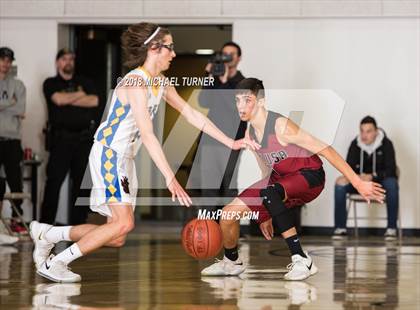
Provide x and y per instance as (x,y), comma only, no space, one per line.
(114,179)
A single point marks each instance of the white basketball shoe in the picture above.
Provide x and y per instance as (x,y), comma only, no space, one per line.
(224,267)
(300,268)
(42,247)
(57,271)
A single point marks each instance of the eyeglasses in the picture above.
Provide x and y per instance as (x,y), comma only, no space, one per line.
(170,47)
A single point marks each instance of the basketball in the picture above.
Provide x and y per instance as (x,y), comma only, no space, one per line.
(202,239)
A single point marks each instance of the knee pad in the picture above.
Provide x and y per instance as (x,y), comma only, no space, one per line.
(285,221)
(273,197)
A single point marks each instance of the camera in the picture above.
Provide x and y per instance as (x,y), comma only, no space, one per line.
(218,61)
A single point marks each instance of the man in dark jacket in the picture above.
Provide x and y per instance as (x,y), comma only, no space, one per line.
(372,156)
(71,102)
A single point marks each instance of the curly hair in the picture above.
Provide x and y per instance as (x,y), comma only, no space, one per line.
(132,40)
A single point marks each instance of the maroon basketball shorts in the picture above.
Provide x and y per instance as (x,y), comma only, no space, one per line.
(301,187)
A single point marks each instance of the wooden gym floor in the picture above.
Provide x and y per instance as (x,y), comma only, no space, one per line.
(153,272)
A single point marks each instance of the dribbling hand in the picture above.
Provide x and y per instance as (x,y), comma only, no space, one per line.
(178,192)
(245,143)
(371,191)
(267,229)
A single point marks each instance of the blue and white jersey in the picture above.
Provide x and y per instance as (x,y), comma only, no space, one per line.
(119,132)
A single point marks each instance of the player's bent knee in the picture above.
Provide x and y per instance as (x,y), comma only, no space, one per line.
(117,243)
(125,226)
(236,205)
(230,208)
(233,212)
(273,199)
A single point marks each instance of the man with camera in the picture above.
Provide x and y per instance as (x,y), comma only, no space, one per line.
(224,66)
(217,163)
(71,102)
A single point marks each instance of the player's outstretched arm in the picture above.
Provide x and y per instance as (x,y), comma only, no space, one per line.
(288,132)
(201,122)
(265,171)
(136,96)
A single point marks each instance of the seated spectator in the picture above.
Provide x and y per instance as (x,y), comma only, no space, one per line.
(372,156)
(12,110)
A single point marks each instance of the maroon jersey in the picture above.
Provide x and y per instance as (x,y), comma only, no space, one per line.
(284,160)
(299,172)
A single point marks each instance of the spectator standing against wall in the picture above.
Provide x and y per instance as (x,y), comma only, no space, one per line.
(12,111)
(71,102)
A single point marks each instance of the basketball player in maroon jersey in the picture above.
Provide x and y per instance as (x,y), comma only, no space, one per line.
(289,160)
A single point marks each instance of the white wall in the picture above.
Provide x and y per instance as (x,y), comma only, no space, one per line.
(35,45)
(373,64)
(34,42)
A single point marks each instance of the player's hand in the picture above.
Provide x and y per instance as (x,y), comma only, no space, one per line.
(267,229)
(366,177)
(245,143)
(371,191)
(178,192)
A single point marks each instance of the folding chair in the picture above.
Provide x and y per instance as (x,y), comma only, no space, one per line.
(353,200)
(12,197)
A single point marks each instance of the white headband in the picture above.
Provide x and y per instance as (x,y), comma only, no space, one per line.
(152,36)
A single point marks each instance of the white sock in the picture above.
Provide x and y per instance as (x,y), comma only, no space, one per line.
(68,255)
(58,233)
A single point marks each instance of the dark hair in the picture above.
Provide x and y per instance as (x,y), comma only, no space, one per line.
(253,85)
(7,52)
(369,120)
(62,52)
(132,39)
(231,43)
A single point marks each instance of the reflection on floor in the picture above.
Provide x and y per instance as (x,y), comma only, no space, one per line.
(153,272)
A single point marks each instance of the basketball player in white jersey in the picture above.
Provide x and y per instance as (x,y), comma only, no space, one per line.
(149,50)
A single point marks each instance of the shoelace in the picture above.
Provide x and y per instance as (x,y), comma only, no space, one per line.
(290,266)
(219,261)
